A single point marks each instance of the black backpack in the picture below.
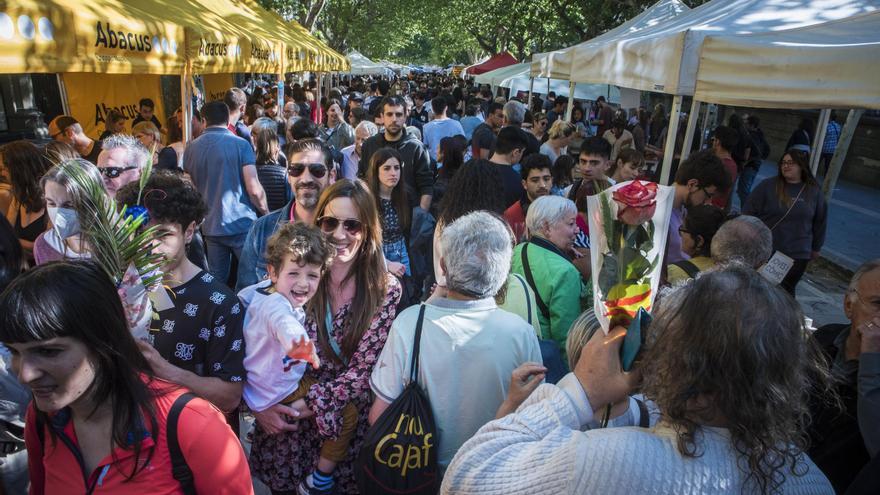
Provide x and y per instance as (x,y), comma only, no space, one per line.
(399,455)
(179,468)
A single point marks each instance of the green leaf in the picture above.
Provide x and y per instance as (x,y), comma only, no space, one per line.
(635,265)
(608,273)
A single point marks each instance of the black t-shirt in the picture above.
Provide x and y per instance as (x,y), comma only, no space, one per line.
(483,137)
(511,182)
(153,119)
(202,333)
(93,155)
(533,146)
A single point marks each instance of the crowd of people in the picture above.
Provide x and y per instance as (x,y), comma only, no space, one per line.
(315,248)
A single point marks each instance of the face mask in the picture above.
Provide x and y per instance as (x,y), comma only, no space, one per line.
(64,221)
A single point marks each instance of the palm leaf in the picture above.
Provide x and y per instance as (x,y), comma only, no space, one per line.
(113,237)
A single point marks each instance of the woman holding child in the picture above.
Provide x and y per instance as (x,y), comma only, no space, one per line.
(348,319)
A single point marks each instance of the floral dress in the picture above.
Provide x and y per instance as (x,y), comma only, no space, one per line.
(282,461)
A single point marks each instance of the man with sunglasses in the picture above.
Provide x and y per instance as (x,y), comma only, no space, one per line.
(309,171)
(121,159)
(222,168)
(68,130)
(417,173)
(843,442)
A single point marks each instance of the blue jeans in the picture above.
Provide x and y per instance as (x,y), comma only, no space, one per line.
(744,184)
(396,251)
(221,249)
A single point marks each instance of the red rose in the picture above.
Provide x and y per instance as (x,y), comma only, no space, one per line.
(636,202)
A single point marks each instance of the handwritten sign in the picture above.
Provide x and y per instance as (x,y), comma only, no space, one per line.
(777,268)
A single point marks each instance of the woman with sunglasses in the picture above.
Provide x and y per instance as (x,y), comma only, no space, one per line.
(99,420)
(793,207)
(539,126)
(349,318)
(697,231)
(66,201)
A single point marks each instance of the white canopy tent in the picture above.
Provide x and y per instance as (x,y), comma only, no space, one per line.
(822,66)
(362,66)
(516,77)
(558,64)
(664,57)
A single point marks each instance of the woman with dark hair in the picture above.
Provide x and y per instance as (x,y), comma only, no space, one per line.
(451,155)
(562,174)
(629,165)
(793,207)
(697,231)
(99,417)
(383,177)
(171,156)
(349,318)
(732,388)
(25,165)
(271,162)
(803,135)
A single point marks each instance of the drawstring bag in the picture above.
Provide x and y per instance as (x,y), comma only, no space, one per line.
(399,455)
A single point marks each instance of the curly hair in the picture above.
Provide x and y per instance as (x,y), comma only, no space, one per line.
(305,243)
(732,346)
(167,197)
(26,165)
(474,187)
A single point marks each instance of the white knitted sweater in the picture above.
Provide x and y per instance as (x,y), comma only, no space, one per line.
(541,450)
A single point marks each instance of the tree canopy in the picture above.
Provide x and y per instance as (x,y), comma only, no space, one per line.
(448,31)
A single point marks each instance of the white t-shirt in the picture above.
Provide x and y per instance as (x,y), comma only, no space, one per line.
(468,351)
(271,326)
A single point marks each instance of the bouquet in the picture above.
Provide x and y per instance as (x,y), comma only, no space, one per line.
(628,229)
(119,244)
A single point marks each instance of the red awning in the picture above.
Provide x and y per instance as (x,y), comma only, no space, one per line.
(496,61)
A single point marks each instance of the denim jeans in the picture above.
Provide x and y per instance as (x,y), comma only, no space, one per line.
(744,184)
(221,249)
(396,251)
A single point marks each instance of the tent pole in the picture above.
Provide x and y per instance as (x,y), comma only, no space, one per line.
(691,128)
(186,103)
(846,135)
(821,128)
(570,107)
(671,133)
(62,89)
(531,88)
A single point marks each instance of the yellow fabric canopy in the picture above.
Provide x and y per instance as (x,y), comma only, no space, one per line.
(105,36)
(155,37)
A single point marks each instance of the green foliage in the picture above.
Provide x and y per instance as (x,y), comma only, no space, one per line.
(447,31)
(115,240)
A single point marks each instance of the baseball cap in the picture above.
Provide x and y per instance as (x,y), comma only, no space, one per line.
(60,124)
(356,97)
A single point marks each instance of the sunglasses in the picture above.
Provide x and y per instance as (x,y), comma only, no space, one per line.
(317,170)
(328,225)
(114,172)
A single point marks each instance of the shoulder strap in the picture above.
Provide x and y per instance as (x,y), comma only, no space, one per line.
(644,416)
(531,280)
(688,267)
(526,293)
(414,365)
(179,468)
(575,186)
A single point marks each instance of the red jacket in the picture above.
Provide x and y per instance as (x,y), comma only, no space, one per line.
(211,450)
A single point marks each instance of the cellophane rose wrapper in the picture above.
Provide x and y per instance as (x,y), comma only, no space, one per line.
(629,223)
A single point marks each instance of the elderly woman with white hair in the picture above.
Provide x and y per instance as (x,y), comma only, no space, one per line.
(545,261)
(469,347)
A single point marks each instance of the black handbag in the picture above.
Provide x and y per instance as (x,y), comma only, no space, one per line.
(399,455)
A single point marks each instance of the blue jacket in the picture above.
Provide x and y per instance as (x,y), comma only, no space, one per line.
(252,262)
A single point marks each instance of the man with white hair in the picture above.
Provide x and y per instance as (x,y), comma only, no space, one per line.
(514,115)
(351,155)
(843,443)
(745,239)
(469,347)
(121,160)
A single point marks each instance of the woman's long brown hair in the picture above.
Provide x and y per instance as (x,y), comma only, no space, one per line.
(368,271)
(802,158)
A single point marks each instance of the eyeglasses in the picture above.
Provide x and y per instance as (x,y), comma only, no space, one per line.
(708,194)
(873,305)
(317,170)
(329,225)
(114,172)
